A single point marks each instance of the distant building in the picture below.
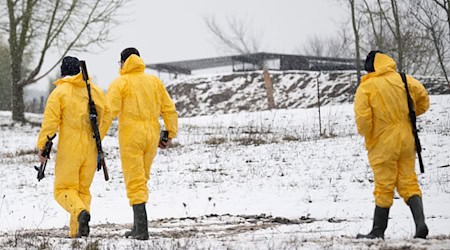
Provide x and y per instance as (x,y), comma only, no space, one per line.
(255,61)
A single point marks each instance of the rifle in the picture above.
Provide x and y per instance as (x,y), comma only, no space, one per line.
(412,118)
(94,123)
(164,136)
(46,154)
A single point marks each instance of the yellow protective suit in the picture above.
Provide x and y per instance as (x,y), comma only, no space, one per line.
(139,100)
(76,158)
(381,112)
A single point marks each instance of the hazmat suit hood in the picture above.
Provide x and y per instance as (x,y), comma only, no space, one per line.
(133,64)
(382,64)
(76,80)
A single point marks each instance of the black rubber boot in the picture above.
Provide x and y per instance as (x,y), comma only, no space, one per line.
(416,205)
(83,223)
(140,221)
(132,232)
(380,221)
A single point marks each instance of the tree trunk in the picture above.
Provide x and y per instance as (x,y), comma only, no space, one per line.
(448,15)
(356,32)
(18,107)
(448,21)
(398,35)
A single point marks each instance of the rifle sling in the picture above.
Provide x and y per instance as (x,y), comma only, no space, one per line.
(412,118)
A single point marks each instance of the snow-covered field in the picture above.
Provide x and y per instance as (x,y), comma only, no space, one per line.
(262,180)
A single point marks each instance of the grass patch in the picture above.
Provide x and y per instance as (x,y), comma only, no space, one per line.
(22,152)
(215,141)
(290,138)
(93,245)
(247,141)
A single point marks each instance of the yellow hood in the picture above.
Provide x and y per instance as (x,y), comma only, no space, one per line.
(382,64)
(76,80)
(134,64)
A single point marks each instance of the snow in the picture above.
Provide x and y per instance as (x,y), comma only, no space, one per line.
(247,180)
(244,91)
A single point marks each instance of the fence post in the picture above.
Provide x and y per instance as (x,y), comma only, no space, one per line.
(318,102)
(269,88)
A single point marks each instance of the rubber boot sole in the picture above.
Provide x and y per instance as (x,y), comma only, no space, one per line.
(422,233)
(131,233)
(369,236)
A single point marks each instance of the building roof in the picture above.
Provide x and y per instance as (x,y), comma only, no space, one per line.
(287,62)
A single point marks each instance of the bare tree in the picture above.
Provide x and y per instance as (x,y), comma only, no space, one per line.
(397,34)
(40,27)
(333,46)
(389,26)
(430,17)
(238,35)
(445,5)
(356,27)
(315,46)
(394,25)
(375,23)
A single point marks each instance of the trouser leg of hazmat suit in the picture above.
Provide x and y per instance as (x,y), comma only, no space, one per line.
(137,151)
(74,171)
(397,171)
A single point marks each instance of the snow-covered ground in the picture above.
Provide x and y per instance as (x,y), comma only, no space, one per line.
(261,180)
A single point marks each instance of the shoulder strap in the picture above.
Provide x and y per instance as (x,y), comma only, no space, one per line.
(412,118)
(408,95)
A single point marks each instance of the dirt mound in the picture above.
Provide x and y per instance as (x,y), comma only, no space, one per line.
(232,93)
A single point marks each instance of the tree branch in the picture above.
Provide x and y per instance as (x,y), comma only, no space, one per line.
(372,22)
(32,78)
(239,39)
(383,14)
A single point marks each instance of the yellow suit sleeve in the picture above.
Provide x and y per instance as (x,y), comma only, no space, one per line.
(105,123)
(168,111)
(52,118)
(103,110)
(419,95)
(363,112)
(114,103)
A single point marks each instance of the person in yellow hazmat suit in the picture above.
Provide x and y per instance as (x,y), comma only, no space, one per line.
(139,99)
(67,112)
(381,113)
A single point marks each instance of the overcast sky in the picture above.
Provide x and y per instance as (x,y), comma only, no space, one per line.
(172,30)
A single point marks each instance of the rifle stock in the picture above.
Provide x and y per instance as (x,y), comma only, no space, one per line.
(105,169)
